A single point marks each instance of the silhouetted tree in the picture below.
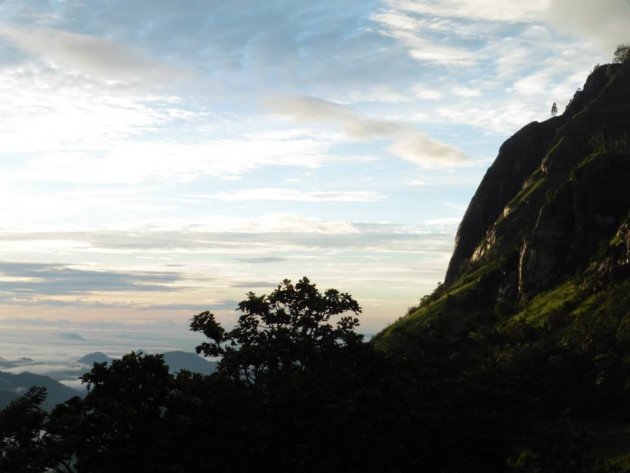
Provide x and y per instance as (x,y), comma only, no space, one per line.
(554,110)
(622,54)
(121,424)
(22,445)
(285,332)
(295,391)
(317,398)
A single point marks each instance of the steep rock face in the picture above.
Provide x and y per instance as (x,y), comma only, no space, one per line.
(518,157)
(616,265)
(582,213)
(591,123)
(549,223)
(594,85)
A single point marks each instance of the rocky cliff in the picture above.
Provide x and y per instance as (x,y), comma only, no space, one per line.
(548,229)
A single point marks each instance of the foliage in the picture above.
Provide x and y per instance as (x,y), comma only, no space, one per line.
(296,393)
(21,446)
(286,331)
(622,54)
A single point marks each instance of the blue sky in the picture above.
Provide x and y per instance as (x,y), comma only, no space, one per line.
(162,157)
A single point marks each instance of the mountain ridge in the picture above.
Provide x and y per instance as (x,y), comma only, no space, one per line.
(13,385)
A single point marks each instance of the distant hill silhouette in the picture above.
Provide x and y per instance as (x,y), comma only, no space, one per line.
(181,360)
(176,361)
(96,357)
(13,386)
(4,363)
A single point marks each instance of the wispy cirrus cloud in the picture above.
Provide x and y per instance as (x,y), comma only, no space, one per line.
(490,10)
(414,34)
(129,162)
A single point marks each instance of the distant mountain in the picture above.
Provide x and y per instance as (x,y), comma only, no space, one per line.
(176,361)
(96,357)
(181,360)
(13,386)
(4,363)
(71,336)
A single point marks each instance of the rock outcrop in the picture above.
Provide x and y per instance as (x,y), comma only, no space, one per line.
(518,158)
(591,124)
(551,214)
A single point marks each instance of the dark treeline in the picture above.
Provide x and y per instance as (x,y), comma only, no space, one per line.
(297,390)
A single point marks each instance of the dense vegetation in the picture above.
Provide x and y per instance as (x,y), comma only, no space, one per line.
(294,392)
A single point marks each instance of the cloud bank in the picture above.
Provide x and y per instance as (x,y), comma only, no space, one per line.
(55,279)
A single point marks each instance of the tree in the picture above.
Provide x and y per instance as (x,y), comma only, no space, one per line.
(287,331)
(120,425)
(554,110)
(622,54)
(22,444)
(311,396)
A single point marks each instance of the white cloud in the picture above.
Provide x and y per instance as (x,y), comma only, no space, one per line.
(605,22)
(449,181)
(493,10)
(412,35)
(418,148)
(129,162)
(462,91)
(47,112)
(222,235)
(215,258)
(407,142)
(494,117)
(294,195)
(425,93)
(445,222)
(86,55)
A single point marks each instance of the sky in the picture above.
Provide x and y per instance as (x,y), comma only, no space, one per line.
(159,158)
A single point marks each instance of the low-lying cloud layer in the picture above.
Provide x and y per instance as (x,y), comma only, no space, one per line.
(212,265)
(55,279)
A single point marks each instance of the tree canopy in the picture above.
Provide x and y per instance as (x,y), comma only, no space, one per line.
(288,330)
(622,53)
